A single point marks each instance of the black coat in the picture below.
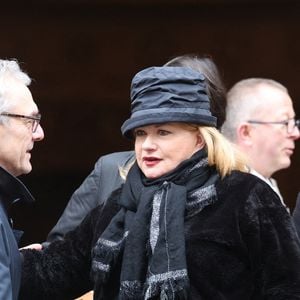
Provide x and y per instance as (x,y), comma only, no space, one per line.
(11,190)
(244,246)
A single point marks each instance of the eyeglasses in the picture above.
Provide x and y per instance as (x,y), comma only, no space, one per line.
(290,124)
(35,120)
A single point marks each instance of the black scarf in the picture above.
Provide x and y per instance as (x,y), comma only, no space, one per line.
(148,232)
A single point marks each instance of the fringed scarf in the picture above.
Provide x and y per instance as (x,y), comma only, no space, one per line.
(147,234)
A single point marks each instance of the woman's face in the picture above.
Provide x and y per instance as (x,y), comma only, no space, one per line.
(160,148)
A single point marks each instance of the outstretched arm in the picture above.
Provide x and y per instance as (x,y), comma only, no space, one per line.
(60,271)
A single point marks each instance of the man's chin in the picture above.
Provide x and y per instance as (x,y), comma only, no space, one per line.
(26,170)
(286,164)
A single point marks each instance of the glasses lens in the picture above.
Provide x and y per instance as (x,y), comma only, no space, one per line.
(35,125)
(292,124)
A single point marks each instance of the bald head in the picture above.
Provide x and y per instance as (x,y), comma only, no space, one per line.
(245,100)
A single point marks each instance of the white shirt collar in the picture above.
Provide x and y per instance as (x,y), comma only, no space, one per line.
(271,182)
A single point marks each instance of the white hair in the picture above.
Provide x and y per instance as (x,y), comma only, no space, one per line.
(10,69)
(244,102)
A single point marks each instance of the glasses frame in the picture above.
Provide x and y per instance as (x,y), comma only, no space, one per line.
(36,119)
(289,128)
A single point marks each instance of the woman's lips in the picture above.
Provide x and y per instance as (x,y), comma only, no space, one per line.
(151,161)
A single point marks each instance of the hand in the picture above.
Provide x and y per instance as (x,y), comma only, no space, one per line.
(35,246)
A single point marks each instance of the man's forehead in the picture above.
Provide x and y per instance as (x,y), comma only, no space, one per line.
(21,99)
(271,92)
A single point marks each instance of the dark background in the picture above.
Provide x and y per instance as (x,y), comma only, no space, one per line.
(83,54)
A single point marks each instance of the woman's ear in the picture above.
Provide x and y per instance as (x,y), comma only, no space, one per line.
(200,141)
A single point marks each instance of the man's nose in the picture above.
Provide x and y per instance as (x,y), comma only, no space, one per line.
(38,135)
(296,133)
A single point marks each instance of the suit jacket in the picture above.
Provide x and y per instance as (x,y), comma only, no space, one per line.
(95,190)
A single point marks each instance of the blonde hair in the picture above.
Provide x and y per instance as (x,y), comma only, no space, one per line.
(222,153)
(123,170)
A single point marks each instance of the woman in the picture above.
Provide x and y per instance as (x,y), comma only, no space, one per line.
(187,224)
(105,177)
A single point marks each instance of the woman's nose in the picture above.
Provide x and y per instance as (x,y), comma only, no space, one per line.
(148,143)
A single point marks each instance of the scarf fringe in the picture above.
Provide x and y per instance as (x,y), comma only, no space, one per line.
(131,290)
(169,289)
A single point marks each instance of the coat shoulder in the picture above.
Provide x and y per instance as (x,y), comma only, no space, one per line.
(247,188)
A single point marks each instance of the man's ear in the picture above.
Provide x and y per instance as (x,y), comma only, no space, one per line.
(244,134)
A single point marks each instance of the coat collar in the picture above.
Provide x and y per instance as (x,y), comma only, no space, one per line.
(12,189)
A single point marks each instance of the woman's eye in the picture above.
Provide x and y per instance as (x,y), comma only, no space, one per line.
(163,132)
(139,133)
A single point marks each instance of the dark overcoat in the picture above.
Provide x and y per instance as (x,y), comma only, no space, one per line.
(11,190)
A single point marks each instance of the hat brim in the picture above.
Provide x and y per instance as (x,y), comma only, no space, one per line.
(161,118)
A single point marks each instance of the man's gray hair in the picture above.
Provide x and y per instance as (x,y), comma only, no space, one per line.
(9,69)
(243,102)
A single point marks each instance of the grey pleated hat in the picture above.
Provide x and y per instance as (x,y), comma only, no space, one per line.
(168,94)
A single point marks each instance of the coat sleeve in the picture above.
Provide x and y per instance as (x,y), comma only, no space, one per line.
(62,270)
(5,276)
(94,191)
(273,245)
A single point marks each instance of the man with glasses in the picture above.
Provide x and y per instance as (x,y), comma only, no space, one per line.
(19,130)
(261,121)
